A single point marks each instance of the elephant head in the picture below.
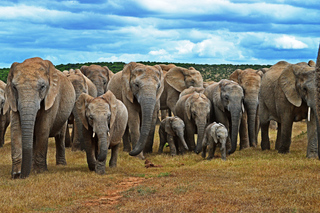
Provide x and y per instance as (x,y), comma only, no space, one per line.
(227,98)
(181,78)
(78,81)
(100,76)
(190,90)
(31,85)
(250,81)
(142,85)
(176,127)
(103,117)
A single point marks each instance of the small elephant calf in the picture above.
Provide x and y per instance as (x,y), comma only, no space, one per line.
(216,133)
(172,131)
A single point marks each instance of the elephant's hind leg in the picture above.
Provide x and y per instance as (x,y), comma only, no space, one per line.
(114,156)
(60,146)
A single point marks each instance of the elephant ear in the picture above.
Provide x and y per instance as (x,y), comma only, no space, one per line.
(53,85)
(287,82)
(113,102)
(126,76)
(84,69)
(109,72)
(216,97)
(11,100)
(81,105)
(235,75)
(187,108)
(160,90)
(175,78)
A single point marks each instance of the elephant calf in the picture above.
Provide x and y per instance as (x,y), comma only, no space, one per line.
(216,133)
(172,131)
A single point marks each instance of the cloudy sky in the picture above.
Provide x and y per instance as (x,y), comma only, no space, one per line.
(188,31)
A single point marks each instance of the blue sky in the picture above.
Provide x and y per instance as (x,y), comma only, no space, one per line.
(208,32)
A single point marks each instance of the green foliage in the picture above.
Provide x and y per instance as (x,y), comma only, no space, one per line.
(4,74)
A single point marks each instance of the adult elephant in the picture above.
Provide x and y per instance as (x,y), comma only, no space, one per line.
(104,119)
(81,84)
(41,99)
(250,81)
(100,76)
(139,87)
(194,110)
(226,97)
(4,117)
(287,91)
(176,80)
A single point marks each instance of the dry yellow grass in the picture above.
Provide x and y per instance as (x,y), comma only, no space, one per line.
(250,180)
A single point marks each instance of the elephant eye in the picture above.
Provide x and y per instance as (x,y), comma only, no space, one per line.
(104,82)
(136,85)
(90,117)
(226,97)
(192,82)
(305,89)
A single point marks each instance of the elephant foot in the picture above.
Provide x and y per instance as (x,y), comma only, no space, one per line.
(312,155)
(16,175)
(203,155)
(61,162)
(38,169)
(283,151)
(210,158)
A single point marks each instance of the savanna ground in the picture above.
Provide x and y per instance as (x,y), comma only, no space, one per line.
(250,180)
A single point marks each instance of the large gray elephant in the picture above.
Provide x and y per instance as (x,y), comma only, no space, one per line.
(226,97)
(4,118)
(287,91)
(215,134)
(250,81)
(41,99)
(317,97)
(81,84)
(171,130)
(100,76)
(194,110)
(104,119)
(139,87)
(176,80)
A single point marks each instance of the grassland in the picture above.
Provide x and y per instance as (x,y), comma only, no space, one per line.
(249,180)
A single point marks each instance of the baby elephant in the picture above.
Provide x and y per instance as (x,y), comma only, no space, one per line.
(215,133)
(172,131)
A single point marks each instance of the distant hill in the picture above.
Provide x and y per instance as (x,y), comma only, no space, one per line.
(210,72)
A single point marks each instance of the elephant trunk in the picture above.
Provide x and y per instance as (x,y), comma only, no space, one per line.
(147,107)
(201,128)
(252,115)
(235,124)
(182,140)
(223,149)
(103,144)
(27,117)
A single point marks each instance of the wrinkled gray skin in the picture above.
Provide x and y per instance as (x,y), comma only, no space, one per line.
(317,112)
(100,76)
(171,130)
(226,97)
(294,89)
(139,87)
(81,84)
(216,134)
(194,110)
(176,80)
(41,99)
(250,81)
(4,118)
(104,119)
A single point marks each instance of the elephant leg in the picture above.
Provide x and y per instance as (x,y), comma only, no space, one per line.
(265,141)
(286,132)
(163,114)
(243,133)
(278,140)
(60,146)
(76,146)
(90,149)
(211,150)
(173,150)
(126,140)
(312,149)
(67,138)
(189,135)
(16,145)
(2,129)
(114,155)
(163,138)
(204,151)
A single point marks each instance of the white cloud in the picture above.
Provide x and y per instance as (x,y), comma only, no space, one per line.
(184,47)
(289,42)
(158,52)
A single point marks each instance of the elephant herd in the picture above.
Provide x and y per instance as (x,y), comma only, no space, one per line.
(41,102)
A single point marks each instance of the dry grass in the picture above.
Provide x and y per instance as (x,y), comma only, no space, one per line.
(249,181)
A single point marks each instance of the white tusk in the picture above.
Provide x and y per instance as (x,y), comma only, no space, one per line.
(108,134)
(309,113)
(93,134)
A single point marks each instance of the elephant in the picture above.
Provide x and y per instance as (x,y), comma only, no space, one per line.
(216,133)
(100,76)
(194,110)
(250,81)
(81,84)
(287,94)
(104,119)
(139,87)
(227,97)
(4,117)
(191,90)
(171,130)
(41,99)
(176,80)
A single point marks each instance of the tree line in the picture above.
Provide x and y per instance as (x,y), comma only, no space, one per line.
(210,72)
